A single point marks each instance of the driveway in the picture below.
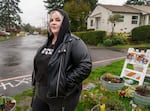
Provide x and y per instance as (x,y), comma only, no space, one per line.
(16,61)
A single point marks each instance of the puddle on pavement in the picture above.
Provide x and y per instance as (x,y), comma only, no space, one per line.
(12,59)
(11,64)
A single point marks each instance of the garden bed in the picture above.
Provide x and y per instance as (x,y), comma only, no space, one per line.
(99,94)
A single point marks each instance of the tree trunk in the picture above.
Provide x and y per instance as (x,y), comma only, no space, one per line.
(112,33)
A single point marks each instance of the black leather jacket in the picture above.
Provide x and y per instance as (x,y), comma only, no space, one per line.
(68,67)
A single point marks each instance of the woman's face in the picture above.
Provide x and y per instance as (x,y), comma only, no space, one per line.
(55,22)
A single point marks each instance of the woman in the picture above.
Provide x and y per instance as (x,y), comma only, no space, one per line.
(60,66)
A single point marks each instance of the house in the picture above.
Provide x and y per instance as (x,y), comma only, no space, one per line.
(131,16)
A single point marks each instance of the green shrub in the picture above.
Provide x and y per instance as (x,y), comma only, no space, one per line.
(91,37)
(141,33)
(117,40)
(107,42)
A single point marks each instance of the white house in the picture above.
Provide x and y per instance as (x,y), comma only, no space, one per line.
(131,16)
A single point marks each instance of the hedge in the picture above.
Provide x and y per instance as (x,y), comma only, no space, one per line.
(91,37)
(141,33)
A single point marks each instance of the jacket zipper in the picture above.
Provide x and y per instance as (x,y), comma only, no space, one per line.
(63,108)
(58,77)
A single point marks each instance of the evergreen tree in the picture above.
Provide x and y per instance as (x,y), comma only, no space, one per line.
(136,2)
(9,14)
(52,4)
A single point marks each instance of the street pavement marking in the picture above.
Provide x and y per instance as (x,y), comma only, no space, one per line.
(17,83)
(13,78)
(27,78)
(3,85)
(24,80)
(107,60)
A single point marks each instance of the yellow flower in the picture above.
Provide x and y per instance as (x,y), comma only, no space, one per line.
(102,107)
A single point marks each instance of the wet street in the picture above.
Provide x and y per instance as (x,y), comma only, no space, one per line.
(16,61)
(16,55)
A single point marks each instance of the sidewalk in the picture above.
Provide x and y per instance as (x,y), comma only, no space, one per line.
(110,48)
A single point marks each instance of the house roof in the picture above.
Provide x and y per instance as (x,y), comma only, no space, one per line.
(95,14)
(142,8)
(122,9)
(137,9)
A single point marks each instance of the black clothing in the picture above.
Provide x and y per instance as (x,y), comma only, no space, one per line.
(41,62)
(69,64)
(41,105)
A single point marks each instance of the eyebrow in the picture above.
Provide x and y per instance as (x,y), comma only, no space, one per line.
(60,18)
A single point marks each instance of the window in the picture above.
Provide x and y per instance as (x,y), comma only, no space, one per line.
(91,24)
(121,18)
(134,19)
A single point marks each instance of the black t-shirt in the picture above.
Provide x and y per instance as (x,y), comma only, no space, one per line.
(41,61)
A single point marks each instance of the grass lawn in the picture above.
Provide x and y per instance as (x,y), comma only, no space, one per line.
(23,100)
(92,96)
(4,38)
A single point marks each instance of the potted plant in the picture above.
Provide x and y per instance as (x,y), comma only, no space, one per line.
(142,95)
(2,103)
(7,103)
(112,82)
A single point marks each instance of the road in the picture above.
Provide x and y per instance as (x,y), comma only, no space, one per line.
(16,61)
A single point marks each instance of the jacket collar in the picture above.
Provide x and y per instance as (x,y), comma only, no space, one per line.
(67,38)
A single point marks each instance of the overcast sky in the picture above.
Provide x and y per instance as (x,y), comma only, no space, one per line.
(35,13)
